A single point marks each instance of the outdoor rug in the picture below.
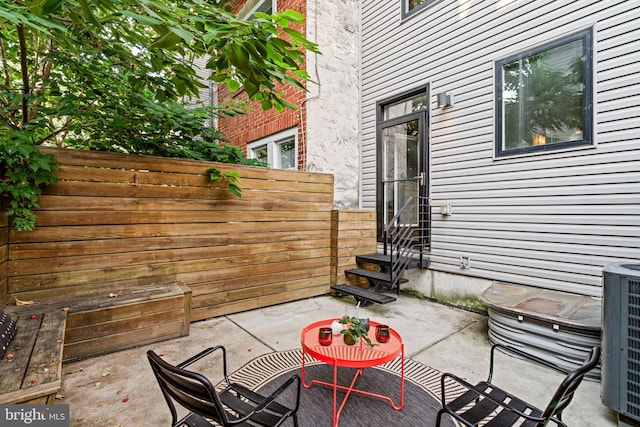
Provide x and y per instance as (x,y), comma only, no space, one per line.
(421,393)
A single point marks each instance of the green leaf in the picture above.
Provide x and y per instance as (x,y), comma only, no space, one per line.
(266,104)
(47,23)
(14,17)
(141,18)
(210,36)
(214,174)
(295,35)
(51,6)
(262,15)
(88,14)
(233,85)
(235,190)
(294,16)
(167,41)
(182,33)
(180,86)
(238,57)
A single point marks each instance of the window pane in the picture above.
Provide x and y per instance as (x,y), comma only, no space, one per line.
(406,106)
(288,154)
(400,167)
(412,4)
(400,144)
(261,153)
(264,6)
(278,150)
(542,97)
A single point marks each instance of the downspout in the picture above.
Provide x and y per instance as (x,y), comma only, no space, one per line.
(303,123)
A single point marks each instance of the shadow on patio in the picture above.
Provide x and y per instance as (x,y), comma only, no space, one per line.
(119,389)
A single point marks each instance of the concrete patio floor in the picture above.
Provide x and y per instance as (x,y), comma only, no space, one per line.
(119,389)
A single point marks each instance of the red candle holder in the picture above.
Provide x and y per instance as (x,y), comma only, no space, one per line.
(382,333)
(325,336)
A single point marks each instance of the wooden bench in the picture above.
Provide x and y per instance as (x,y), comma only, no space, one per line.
(86,326)
(114,319)
(33,371)
(103,323)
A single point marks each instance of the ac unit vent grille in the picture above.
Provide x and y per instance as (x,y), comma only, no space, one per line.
(633,354)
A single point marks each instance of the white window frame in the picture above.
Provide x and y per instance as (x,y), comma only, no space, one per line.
(273,143)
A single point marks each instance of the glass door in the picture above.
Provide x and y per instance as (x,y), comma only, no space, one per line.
(401,176)
(402,160)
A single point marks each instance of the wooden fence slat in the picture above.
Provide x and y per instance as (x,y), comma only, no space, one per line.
(54,218)
(166,165)
(55,284)
(92,203)
(106,246)
(124,231)
(229,254)
(103,178)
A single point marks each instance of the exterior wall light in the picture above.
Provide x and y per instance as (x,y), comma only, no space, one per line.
(445,100)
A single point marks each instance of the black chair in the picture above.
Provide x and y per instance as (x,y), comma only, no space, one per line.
(491,405)
(235,405)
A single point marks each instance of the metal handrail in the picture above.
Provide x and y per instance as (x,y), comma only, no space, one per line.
(405,238)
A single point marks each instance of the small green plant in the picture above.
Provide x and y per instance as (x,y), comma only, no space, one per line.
(355,329)
(231,177)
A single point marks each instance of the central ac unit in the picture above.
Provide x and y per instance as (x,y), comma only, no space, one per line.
(620,387)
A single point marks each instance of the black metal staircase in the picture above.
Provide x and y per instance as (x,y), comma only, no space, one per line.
(405,240)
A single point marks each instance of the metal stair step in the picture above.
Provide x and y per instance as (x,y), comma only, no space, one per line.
(383,260)
(376,275)
(363,293)
(374,258)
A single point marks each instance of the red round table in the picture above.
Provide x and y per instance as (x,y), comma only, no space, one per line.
(359,356)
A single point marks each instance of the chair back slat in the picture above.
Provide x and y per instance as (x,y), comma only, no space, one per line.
(564,393)
(189,389)
(510,409)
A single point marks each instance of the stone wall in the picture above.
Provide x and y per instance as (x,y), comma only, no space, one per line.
(332,105)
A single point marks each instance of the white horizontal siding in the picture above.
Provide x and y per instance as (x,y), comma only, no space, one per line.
(549,219)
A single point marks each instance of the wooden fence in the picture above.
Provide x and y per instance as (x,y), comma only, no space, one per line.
(116,222)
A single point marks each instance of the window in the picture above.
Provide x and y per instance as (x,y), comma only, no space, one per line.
(264,6)
(278,150)
(409,7)
(404,106)
(544,97)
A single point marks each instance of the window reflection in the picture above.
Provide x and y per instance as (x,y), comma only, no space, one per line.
(543,97)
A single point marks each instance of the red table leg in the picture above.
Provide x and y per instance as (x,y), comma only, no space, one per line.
(335,410)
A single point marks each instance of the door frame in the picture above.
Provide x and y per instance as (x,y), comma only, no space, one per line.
(423,142)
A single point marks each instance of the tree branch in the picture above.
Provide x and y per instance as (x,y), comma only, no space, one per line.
(25,73)
(5,66)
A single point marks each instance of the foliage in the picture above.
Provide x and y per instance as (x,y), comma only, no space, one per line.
(542,97)
(23,171)
(232,179)
(112,75)
(355,328)
(77,52)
